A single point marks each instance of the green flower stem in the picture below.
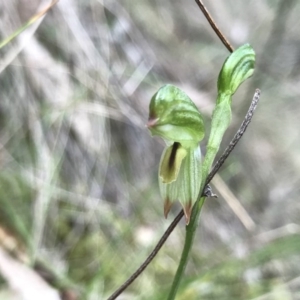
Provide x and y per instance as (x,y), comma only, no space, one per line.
(189,240)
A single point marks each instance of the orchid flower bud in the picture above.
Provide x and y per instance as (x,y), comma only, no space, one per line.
(237,68)
(174,117)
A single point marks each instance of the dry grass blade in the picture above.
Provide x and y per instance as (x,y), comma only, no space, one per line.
(27,24)
(233,203)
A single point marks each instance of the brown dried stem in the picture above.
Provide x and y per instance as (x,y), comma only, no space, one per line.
(214,26)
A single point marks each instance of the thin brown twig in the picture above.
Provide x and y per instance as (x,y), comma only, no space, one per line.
(214,25)
(215,169)
(144,265)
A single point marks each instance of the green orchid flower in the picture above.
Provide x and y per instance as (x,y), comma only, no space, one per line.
(174,117)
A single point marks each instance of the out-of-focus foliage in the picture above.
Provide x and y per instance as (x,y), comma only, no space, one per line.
(78,169)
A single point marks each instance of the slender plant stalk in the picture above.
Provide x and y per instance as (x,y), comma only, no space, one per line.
(171,227)
(188,243)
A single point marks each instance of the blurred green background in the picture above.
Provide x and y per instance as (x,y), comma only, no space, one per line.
(79,199)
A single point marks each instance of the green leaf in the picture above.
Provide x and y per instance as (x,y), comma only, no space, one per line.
(237,68)
(174,117)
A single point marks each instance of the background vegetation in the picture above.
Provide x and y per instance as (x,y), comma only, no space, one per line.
(78,179)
